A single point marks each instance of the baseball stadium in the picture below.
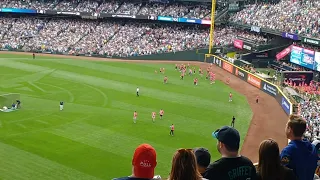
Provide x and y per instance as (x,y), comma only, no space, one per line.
(159,89)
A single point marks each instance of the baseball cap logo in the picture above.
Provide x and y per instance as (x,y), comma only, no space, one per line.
(145,164)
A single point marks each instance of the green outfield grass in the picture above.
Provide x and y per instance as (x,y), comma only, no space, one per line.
(94,137)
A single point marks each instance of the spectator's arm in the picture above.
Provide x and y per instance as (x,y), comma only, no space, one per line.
(286,157)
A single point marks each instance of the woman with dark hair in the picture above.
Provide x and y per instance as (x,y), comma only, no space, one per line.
(184,166)
(269,167)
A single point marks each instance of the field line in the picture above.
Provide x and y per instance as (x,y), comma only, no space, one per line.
(37,87)
(64,89)
(42,122)
(26,119)
(105,102)
(42,129)
(21,125)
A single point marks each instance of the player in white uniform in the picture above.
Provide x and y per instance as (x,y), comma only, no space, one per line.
(61,105)
(138,91)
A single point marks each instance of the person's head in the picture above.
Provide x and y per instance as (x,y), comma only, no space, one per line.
(295,128)
(184,166)
(228,141)
(203,158)
(269,160)
(144,161)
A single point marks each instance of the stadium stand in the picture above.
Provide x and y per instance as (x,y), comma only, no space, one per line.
(303,18)
(126,38)
(110,38)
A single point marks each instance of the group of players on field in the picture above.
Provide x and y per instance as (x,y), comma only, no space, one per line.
(183,69)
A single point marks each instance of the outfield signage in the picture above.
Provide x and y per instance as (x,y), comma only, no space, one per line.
(255,81)
(285,105)
(311,41)
(241,74)
(290,36)
(228,67)
(269,89)
(218,62)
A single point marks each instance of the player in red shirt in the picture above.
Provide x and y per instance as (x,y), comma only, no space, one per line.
(212,78)
(165,80)
(161,112)
(182,74)
(135,115)
(171,130)
(195,81)
(153,116)
(230,97)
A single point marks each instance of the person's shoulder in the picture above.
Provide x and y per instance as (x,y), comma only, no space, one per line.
(129,178)
(289,174)
(245,160)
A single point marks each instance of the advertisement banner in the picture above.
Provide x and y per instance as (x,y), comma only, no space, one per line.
(203,21)
(218,62)
(228,67)
(285,105)
(241,74)
(296,55)
(238,44)
(298,77)
(311,41)
(255,29)
(283,53)
(15,10)
(186,20)
(51,12)
(165,18)
(317,61)
(254,81)
(307,58)
(247,47)
(269,88)
(290,36)
(69,13)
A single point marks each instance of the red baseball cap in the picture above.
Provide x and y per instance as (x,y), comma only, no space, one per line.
(144,161)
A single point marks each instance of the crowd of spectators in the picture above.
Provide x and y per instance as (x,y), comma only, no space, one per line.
(110,38)
(297,161)
(299,17)
(188,10)
(309,110)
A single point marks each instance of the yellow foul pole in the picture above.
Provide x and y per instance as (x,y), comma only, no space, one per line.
(213,10)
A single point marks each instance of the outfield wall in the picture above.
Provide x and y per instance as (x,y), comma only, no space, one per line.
(255,81)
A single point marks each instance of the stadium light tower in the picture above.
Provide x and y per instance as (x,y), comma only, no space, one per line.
(213,10)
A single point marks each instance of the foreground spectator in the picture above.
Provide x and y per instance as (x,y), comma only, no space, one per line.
(203,158)
(184,166)
(317,145)
(300,155)
(270,167)
(232,165)
(143,163)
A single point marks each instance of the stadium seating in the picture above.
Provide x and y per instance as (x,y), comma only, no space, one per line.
(303,17)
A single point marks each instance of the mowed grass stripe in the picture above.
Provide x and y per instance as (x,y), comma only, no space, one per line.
(180,96)
(133,76)
(19,165)
(108,140)
(108,97)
